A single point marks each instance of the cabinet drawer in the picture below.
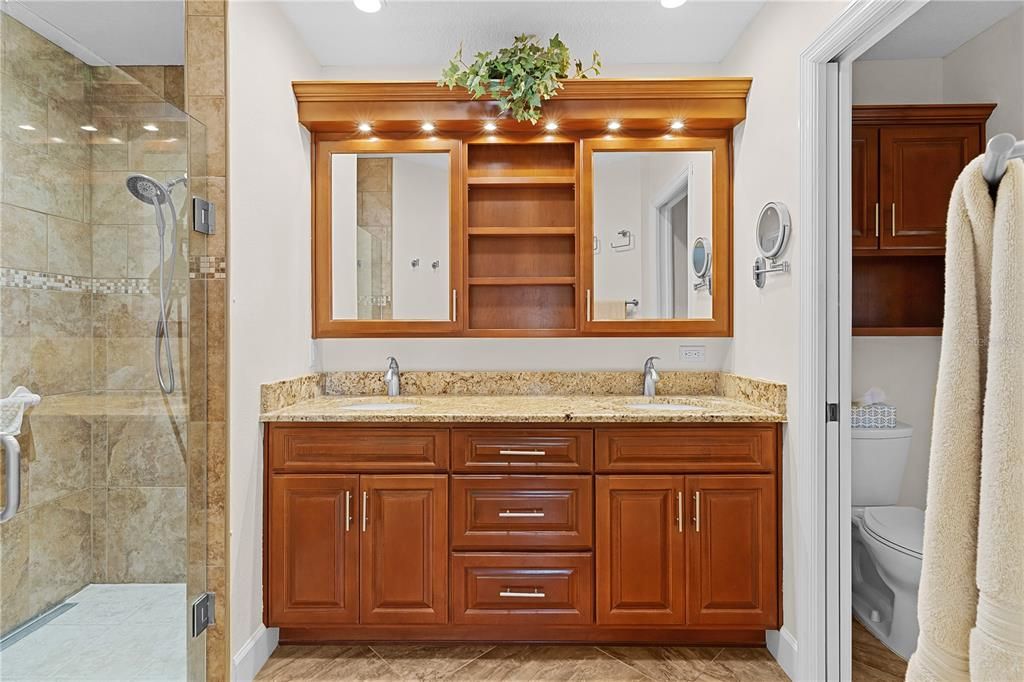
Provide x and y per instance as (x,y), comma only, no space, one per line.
(521,512)
(522,450)
(545,589)
(733,448)
(317,448)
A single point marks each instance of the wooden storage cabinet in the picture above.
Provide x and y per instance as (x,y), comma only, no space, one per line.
(638,533)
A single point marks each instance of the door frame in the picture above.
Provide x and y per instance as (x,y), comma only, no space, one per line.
(660,210)
(822,495)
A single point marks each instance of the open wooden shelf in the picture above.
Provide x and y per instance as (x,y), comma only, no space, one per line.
(520,281)
(529,231)
(521,180)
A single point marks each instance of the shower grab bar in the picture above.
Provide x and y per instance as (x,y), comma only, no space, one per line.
(12,477)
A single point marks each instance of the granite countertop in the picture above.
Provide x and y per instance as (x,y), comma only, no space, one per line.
(524,397)
(562,409)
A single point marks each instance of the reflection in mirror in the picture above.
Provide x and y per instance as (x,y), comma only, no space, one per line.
(649,207)
(390,236)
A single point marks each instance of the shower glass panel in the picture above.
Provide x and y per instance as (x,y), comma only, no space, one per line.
(107,550)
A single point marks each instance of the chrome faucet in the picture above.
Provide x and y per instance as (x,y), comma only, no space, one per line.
(393,377)
(650,376)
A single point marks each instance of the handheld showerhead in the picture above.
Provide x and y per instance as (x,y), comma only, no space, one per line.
(147,190)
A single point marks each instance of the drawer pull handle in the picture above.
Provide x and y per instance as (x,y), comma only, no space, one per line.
(366,504)
(679,511)
(523,453)
(509,514)
(348,509)
(529,595)
(696,510)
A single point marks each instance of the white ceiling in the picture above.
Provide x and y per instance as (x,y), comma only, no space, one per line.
(408,32)
(940,27)
(102,32)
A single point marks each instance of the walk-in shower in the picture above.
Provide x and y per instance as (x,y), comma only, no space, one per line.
(155,193)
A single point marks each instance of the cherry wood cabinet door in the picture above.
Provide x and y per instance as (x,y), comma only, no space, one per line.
(404,549)
(866,211)
(314,551)
(732,562)
(919,165)
(639,547)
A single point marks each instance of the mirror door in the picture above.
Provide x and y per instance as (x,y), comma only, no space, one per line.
(387,229)
(654,211)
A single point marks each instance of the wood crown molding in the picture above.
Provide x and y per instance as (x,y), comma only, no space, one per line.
(572,89)
(914,114)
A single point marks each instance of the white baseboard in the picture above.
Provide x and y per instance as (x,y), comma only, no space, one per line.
(254,654)
(782,646)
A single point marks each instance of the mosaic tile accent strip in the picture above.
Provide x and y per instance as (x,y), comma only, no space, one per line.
(45,281)
(207,267)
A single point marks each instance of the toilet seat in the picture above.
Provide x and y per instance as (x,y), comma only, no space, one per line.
(901,528)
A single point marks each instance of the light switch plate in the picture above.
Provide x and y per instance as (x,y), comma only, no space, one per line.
(693,354)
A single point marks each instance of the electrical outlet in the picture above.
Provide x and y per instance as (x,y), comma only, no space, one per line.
(691,354)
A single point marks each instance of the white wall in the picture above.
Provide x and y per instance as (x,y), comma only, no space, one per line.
(907,368)
(268,258)
(897,81)
(767,154)
(344,238)
(421,223)
(990,68)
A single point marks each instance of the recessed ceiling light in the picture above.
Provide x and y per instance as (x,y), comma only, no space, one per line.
(614,125)
(151,128)
(672,4)
(490,126)
(26,126)
(427,126)
(550,126)
(676,125)
(365,127)
(89,128)
(368,6)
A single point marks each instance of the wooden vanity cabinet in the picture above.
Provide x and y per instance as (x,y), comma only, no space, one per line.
(632,533)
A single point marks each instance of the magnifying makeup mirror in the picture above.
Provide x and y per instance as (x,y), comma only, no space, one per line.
(771,235)
(700,259)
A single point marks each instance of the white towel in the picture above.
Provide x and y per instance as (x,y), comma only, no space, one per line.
(947,597)
(997,641)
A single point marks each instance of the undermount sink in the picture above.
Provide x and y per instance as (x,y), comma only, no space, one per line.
(379,407)
(662,407)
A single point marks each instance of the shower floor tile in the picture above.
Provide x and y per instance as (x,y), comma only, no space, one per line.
(114,633)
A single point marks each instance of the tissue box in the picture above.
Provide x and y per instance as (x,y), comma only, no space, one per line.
(874,416)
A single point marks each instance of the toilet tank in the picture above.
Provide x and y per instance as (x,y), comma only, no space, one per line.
(877,463)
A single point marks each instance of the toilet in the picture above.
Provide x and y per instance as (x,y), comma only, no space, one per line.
(886,539)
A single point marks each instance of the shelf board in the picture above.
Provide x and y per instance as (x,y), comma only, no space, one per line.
(522,180)
(521,281)
(897,331)
(523,231)
(897,253)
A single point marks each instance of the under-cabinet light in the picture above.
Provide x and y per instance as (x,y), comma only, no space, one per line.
(490,126)
(676,125)
(364,127)
(427,126)
(368,6)
(550,126)
(672,4)
(614,125)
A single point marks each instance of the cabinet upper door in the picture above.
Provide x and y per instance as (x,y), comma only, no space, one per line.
(639,547)
(919,165)
(865,209)
(314,551)
(732,551)
(404,552)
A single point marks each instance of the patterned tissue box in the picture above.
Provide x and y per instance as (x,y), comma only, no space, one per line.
(874,416)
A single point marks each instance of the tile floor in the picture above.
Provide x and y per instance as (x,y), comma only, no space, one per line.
(116,633)
(291,663)
(872,661)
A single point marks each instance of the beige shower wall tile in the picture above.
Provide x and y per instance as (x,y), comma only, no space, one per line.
(217,195)
(99,466)
(112,204)
(63,457)
(216,351)
(174,86)
(15,363)
(15,316)
(150,76)
(216,638)
(134,315)
(60,314)
(61,365)
(216,491)
(146,535)
(15,601)
(210,111)
(130,363)
(132,444)
(43,183)
(204,55)
(373,175)
(210,7)
(99,534)
(165,149)
(22,114)
(109,251)
(69,247)
(40,64)
(65,137)
(60,555)
(22,238)
(109,144)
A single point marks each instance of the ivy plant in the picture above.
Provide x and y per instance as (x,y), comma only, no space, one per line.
(518,77)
